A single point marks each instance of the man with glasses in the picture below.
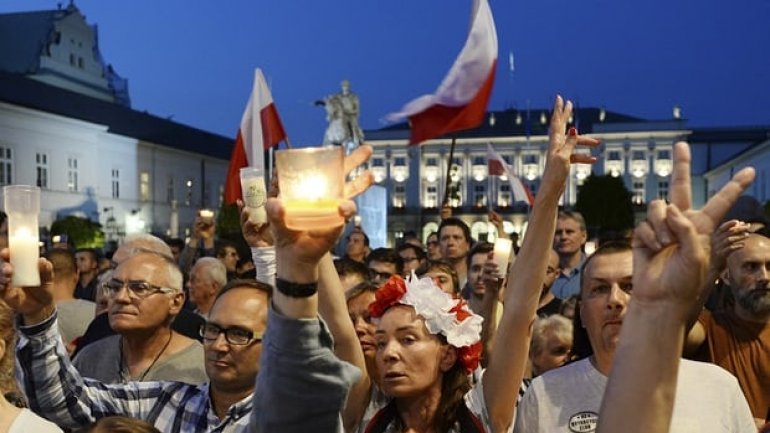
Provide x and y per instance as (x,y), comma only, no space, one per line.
(143,298)
(232,347)
(384,263)
(412,256)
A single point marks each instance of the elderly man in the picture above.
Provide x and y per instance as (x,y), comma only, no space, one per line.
(232,346)
(568,398)
(144,296)
(568,242)
(207,277)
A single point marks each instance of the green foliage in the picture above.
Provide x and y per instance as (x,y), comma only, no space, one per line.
(83,232)
(228,222)
(605,203)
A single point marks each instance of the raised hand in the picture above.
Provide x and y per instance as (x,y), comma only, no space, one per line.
(35,304)
(728,237)
(671,246)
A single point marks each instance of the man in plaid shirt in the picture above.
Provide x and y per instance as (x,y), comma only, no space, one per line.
(232,344)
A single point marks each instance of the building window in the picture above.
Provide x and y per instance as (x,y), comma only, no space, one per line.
(399,161)
(613,155)
(431,162)
(115,183)
(479,195)
(378,162)
(663,190)
(72,59)
(72,174)
(6,166)
(188,195)
(638,155)
(431,197)
(479,160)
(170,191)
(638,194)
(144,186)
(80,62)
(399,196)
(41,165)
(530,159)
(664,154)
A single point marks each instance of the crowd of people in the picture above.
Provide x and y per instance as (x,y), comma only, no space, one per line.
(177,336)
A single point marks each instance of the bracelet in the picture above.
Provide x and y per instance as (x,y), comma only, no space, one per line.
(296,290)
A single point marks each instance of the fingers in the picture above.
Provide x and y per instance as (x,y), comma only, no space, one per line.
(582,158)
(276,213)
(656,218)
(690,245)
(358,157)
(681,190)
(720,203)
(358,185)
(45,268)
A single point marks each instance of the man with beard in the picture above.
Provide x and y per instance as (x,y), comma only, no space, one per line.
(737,338)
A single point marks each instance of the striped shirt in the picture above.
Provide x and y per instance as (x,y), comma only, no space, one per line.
(57,391)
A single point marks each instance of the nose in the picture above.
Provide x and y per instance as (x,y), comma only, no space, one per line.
(617,299)
(360,326)
(219,344)
(122,295)
(389,352)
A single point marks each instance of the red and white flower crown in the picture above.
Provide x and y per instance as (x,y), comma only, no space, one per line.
(443,314)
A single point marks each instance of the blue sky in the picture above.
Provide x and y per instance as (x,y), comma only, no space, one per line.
(194,59)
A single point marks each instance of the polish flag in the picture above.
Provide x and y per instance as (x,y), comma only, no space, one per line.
(261,129)
(497,166)
(460,101)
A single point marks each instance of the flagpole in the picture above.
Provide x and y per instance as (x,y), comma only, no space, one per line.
(288,144)
(448,169)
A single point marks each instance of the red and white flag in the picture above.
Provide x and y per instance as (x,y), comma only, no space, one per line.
(460,101)
(261,129)
(497,166)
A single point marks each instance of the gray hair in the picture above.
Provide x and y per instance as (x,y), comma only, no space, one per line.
(214,269)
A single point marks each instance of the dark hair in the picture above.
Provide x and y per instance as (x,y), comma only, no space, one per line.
(454,385)
(175,242)
(119,424)
(457,222)
(361,232)
(581,345)
(94,254)
(443,266)
(63,262)
(346,266)
(419,252)
(242,283)
(363,287)
(479,248)
(225,244)
(386,255)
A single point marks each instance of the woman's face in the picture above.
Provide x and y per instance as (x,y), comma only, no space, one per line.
(410,360)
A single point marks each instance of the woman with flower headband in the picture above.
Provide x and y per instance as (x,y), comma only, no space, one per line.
(429,342)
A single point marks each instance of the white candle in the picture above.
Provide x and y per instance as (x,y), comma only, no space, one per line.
(24,252)
(502,254)
(255,197)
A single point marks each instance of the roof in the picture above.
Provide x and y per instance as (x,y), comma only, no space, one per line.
(513,122)
(23,36)
(121,120)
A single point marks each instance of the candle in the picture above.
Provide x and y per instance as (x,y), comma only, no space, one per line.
(311,183)
(254,194)
(25,251)
(22,204)
(502,253)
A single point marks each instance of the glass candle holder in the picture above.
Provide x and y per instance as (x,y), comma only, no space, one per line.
(254,193)
(22,204)
(311,182)
(502,254)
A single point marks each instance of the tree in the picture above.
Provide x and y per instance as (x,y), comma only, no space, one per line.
(83,232)
(605,203)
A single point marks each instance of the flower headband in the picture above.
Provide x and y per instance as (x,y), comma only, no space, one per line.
(443,314)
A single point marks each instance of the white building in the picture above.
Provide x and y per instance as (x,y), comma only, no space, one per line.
(66,126)
(638,150)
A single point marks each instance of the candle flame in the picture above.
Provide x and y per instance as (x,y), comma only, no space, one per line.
(312,186)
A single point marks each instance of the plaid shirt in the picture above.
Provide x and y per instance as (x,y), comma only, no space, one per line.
(56,391)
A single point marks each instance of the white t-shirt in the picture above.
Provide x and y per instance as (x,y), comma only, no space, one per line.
(29,422)
(567,399)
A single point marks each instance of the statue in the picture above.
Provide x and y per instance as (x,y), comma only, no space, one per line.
(342,111)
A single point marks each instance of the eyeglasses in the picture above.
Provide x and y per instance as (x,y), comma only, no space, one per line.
(236,336)
(379,276)
(137,288)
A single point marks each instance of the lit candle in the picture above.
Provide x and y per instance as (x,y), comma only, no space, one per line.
(311,183)
(25,251)
(502,254)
